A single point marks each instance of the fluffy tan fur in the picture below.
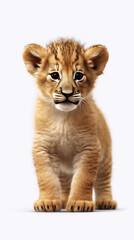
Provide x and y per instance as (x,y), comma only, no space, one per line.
(71,149)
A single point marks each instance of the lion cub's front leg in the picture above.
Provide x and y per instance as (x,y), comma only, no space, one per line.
(49,185)
(80,198)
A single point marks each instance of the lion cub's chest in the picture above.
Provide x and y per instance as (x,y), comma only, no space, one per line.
(66,143)
(66,136)
(66,139)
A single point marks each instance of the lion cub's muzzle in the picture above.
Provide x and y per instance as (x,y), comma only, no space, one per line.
(66,102)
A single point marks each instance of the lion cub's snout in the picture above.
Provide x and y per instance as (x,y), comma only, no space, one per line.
(66,100)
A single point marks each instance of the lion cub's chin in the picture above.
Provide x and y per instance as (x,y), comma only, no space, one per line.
(65,107)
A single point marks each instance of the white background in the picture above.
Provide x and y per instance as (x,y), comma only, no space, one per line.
(109,23)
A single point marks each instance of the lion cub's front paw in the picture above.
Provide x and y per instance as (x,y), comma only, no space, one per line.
(47,205)
(106,204)
(80,206)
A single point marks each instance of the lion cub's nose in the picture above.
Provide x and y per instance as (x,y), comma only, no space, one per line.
(67,91)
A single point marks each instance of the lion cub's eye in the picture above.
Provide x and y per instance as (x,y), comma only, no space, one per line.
(54,76)
(78,76)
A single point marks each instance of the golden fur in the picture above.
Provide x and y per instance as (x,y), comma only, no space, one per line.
(72,144)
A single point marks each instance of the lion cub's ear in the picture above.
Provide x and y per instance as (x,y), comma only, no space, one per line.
(32,56)
(97,57)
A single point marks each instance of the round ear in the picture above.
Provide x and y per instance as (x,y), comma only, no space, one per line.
(97,57)
(32,56)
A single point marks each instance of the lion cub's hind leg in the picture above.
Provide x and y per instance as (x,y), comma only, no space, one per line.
(103,191)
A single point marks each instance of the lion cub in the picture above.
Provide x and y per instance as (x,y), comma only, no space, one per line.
(72,144)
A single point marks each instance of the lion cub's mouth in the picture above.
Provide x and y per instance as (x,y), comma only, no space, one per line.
(66,103)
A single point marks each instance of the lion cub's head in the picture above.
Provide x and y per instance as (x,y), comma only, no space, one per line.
(65,71)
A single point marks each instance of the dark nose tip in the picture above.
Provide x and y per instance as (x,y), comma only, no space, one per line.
(67,94)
